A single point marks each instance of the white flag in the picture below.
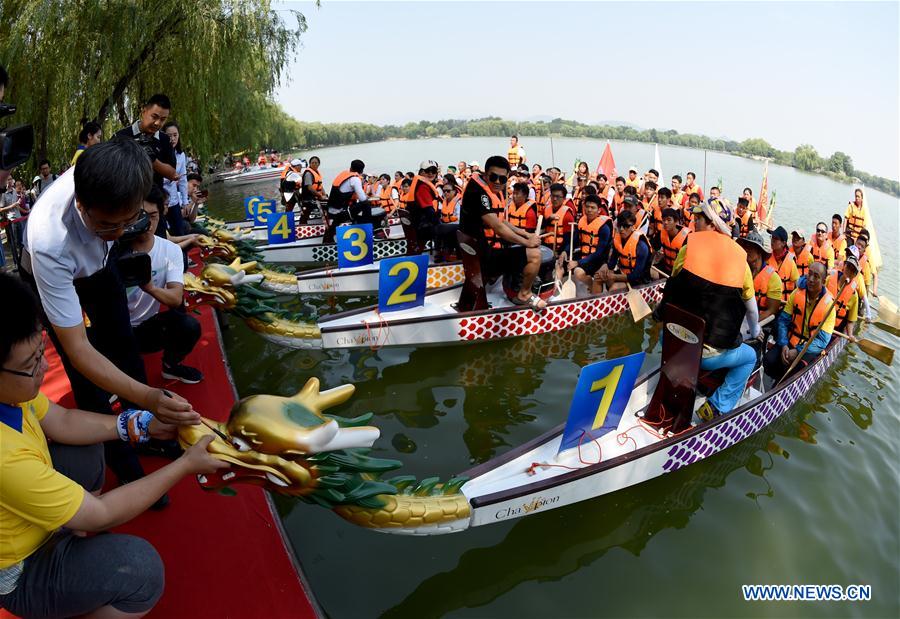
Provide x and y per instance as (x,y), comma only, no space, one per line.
(658,166)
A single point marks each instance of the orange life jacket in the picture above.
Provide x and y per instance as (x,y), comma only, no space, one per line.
(316,187)
(671,246)
(652,209)
(513,156)
(410,198)
(784,271)
(496,208)
(803,260)
(839,245)
(555,238)
(842,303)
(287,169)
(448,210)
(816,317)
(578,199)
(820,254)
(517,216)
(589,233)
(856,220)
(385,201)
(261,161)
(628,252)
(761,286)
(745,223)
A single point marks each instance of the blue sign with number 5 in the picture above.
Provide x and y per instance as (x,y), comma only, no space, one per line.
(600,398)
(401,283)
(250,206)
(262,210)
(280,228)
(354,245)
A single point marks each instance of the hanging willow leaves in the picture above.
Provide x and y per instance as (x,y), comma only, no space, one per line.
(219,61)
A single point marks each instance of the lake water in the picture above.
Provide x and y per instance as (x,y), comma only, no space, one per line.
(812,500)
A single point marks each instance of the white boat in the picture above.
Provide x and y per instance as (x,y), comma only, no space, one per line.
(252,175)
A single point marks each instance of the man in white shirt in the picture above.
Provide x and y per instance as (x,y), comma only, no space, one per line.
(174,332)
(341,206)
(45,178)
(69,259)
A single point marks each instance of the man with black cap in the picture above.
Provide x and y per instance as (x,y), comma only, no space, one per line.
(766,282)
(802,252)
(290,184)
(847,305)
(347,200)
(782,260)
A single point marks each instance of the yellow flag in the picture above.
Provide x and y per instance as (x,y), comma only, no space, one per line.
(874,250)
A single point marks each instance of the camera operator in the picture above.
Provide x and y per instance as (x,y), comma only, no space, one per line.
(71,260)
(146,132)
(174,332)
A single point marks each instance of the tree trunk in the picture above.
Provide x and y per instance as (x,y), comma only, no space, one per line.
(164,27)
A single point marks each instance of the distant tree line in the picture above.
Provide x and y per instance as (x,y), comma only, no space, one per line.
(838,166)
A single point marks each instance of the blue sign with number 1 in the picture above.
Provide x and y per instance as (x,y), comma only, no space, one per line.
(600,398)
(401,282)
(280,228)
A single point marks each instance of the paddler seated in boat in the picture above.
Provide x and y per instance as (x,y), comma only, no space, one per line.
(604,189)
(633,180)
(311,187)
(522,212)
(383,193)
(747,194)
(445,231)
(481,216)
(578,193)
(847,305)
(691,185)
(803,313)
(711,279)
(650,204)
(631,203)
(558,217)
(820,248)
(869,274)
(782,260)
(838,239)
(594,235)
(670,240)
(422,202)
(800,249)
(679,197)
(630,258)
(687,213)
(618,196)
(743,219)
(53,468)
(292,187)
(347,201)
(766,282)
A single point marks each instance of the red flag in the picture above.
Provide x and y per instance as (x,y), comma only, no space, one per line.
(607,165)
(763,201)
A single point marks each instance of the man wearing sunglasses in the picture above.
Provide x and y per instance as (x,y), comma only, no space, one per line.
(70,259)
(503,248)
(821,248)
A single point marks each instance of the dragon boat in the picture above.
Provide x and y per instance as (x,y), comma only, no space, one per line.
(290,446)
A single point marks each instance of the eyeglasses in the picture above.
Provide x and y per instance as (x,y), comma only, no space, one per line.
(37,364)
(116,228)
(497,178)
(821,230)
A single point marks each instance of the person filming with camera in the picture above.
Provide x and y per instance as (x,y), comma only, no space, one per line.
(71,259)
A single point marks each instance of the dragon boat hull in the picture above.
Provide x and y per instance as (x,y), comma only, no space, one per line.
(363,280)
(502,489)
(438,322)
(315,227)
(313,251)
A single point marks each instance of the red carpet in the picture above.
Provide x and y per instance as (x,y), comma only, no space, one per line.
(224,555)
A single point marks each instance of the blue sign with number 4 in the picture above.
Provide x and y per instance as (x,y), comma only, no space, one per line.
(354,245)
(600,398)
(280,228)
(401,282)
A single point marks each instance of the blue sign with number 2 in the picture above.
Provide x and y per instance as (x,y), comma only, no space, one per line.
(401,282)
(600,398)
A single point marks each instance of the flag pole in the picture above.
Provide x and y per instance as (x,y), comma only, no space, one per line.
(552,155)
(704,169)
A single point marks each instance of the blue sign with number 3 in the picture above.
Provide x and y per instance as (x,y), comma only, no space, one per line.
(401,282)
(280,228)
(354,245)
(600,398)
(250,206)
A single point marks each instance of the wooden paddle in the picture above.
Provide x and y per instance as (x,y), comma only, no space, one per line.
(812,335)
(888,312)
(637,304)
(883,353)
(568,290)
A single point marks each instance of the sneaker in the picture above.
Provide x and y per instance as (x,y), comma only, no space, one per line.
(184,373)
(707,411)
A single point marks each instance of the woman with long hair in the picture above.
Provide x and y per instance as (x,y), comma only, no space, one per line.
(177,190)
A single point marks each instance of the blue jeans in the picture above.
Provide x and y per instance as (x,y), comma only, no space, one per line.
(740,362)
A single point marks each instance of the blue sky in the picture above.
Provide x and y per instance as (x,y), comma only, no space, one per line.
(820,73)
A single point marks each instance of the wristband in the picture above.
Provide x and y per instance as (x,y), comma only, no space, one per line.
(133,426)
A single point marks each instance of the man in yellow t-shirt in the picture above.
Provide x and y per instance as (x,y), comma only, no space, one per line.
(46,570)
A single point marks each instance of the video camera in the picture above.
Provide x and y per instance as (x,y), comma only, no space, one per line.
(16,143)
(134,267)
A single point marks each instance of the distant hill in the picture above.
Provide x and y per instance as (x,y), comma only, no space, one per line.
(608,123)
